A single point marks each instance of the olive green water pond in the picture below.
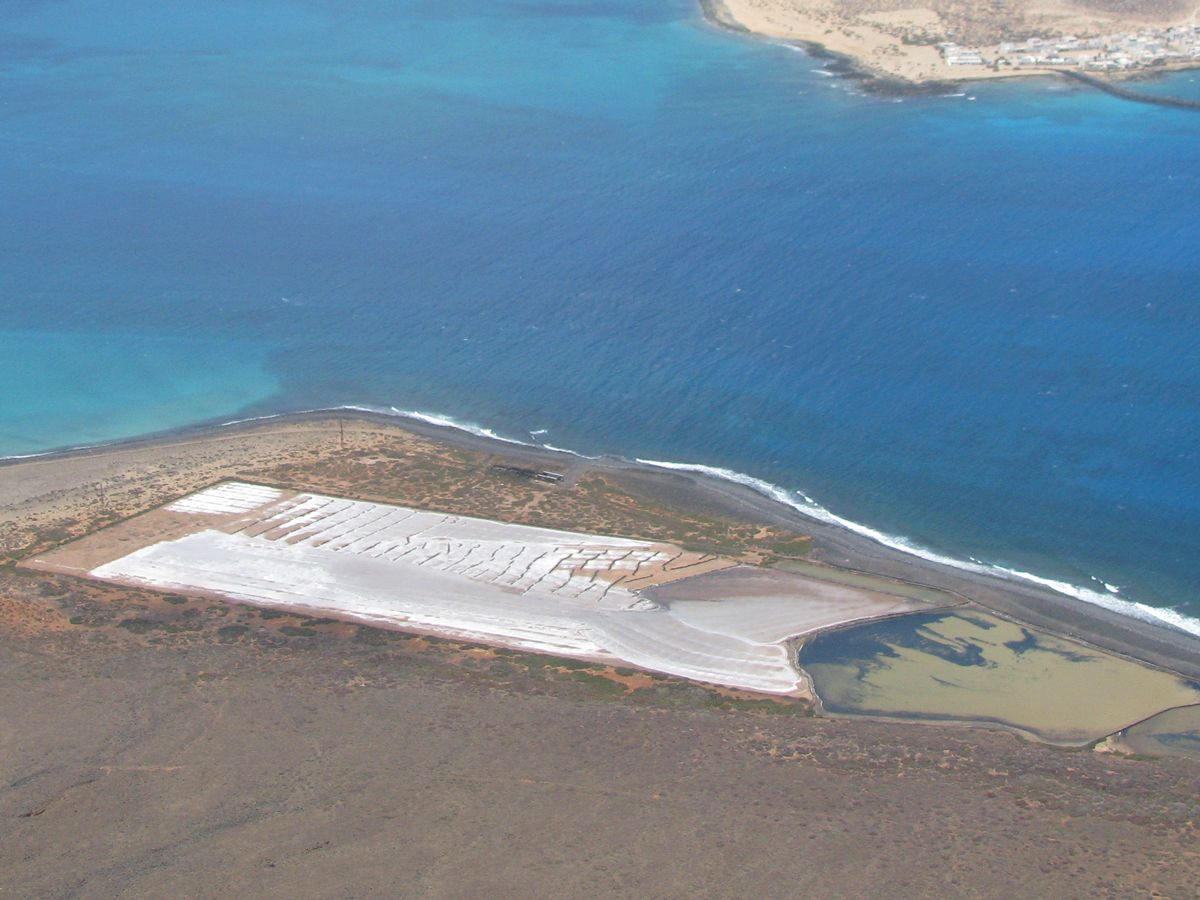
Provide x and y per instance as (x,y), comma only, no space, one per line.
(975,667)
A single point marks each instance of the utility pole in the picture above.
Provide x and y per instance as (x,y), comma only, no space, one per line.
(342,434)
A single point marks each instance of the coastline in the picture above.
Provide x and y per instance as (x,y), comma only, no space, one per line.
(849,66)
(636,287)
(842,63)
(833,544)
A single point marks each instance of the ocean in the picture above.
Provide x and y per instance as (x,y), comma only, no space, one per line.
(968,323)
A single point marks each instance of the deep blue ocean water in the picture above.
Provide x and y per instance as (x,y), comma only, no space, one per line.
(970,320)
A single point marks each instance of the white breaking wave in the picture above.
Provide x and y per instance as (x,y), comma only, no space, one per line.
(71,449)
(571,452)
(14,456)
(468,427)
(797,500)
(809,507)
(447,422)
(427,418)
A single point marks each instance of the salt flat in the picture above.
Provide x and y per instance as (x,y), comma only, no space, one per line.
(650,605)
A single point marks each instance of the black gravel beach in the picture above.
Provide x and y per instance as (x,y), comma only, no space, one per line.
(832,545)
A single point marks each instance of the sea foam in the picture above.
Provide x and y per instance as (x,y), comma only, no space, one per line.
(807,506)
(797,500)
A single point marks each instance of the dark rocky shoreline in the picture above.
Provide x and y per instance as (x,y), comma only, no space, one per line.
(833,545)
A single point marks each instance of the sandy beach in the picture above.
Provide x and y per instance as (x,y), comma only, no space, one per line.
(132,476)
(896,46)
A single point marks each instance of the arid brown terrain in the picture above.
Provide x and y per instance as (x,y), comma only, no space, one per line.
(158,744)
(152,747)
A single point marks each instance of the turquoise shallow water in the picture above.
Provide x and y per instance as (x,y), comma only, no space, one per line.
(85,388)
(969,321)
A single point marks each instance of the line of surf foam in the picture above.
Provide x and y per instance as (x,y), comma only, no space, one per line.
(444,421)
(805,505)
(448,422)
(74,448)
(116,442)
(428,418)
(416,415)
(797,500)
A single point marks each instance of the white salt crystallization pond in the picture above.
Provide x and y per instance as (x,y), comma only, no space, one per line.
(650,605)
